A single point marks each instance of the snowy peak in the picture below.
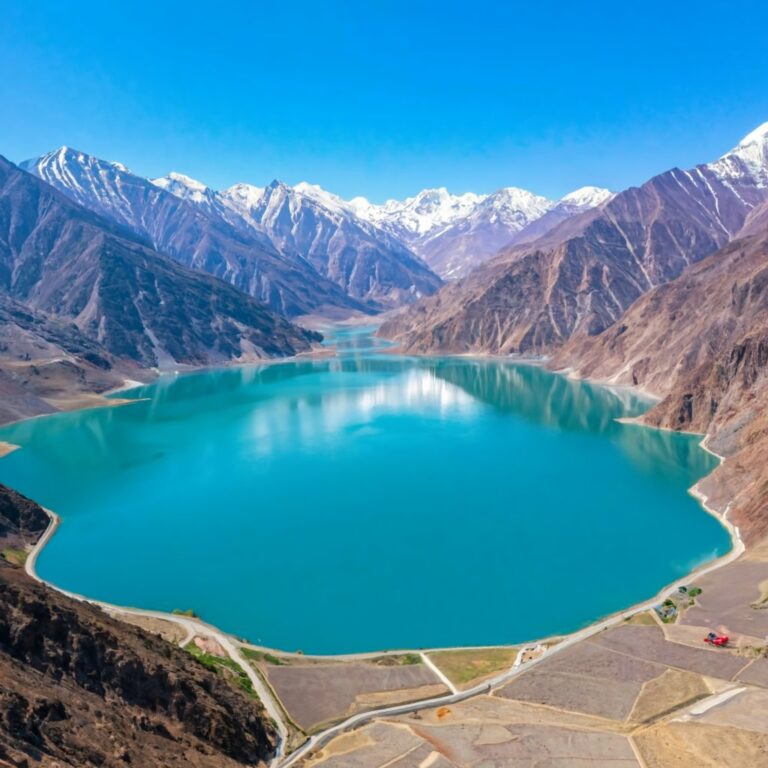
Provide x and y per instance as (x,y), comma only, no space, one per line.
(71,167)
(420,215)
(184,187)
(246,196)
(512,206)
(586,197)
(747,162)
(322,197)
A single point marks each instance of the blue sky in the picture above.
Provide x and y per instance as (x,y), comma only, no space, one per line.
(386,98)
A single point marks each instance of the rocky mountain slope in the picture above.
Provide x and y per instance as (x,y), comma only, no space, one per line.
(191,234)
(701,343)
(456,233)
(78,688)
(138,306)
(582,275)
(44,358)
(306,223)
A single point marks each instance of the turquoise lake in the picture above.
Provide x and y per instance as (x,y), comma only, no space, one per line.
(368,501)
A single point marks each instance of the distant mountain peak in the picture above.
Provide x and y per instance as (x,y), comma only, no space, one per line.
(247,194)
(327,199)
(587,197)
(760,134)
(747,161)
(183,186)
(65,156)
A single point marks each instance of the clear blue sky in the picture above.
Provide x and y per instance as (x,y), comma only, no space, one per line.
(385,98)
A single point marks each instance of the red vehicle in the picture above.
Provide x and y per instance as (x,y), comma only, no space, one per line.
(715,639)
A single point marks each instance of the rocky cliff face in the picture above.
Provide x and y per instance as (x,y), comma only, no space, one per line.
(701,343)
(581,276)
(195,235)
(59,259)
(80,689)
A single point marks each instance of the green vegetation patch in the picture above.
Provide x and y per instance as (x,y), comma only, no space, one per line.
(188,612)
(399,660)
(15,555)
(263,656)
(465,666)
(223,666)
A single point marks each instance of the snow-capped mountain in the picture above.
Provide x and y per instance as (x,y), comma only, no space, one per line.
(307,223)
(495,222)
(419,216)
(305,220)
(378,255)
(187,227)
(578,201)
(585,273)
(747,163)
(584,198)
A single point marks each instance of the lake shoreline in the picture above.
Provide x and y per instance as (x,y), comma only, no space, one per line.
(734,537)
(197,626)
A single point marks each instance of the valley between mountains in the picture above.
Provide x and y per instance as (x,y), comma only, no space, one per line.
(108,277)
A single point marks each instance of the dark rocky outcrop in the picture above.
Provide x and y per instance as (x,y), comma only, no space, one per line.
(78,688)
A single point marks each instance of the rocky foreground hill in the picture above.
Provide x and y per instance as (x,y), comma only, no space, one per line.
(78,688)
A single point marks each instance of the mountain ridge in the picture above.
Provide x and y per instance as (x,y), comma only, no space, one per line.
(586,271)
(131,303)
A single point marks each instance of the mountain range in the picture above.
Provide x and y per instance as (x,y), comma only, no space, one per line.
(456,233)
(663,287)
(107,274)
(295,247)
(86,302)
(581,275)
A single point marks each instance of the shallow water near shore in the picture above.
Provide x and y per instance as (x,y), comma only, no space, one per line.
(368,501)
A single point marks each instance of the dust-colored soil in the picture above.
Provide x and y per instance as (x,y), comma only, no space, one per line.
(727,598)
(383,744)
(648,643)
(320,693)
(747,710)
(644,619)
(465,668)
(6,448)
(667,693)
(347,742)
(588,679)
(366,701)
(211,646)
(755,674)
(481,744)
(699,745)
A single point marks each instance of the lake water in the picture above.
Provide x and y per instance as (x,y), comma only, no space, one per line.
(368,501)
